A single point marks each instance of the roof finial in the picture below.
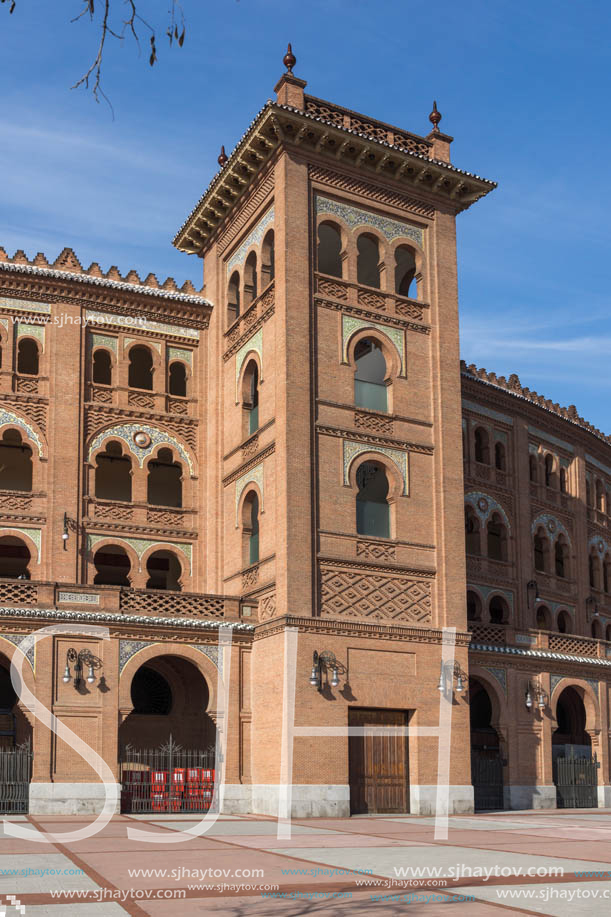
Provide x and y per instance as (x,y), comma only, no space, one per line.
(435,118)
(289,60)
(223,157)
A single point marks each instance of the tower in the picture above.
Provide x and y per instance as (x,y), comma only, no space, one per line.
(334,497)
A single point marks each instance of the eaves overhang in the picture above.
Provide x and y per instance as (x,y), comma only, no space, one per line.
(279,125)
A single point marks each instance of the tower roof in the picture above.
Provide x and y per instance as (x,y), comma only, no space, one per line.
(345,137)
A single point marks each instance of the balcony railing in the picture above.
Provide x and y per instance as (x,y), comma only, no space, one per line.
(531,638)
(380,300)
(154,602)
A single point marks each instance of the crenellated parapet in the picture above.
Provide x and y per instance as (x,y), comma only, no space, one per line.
(514,387)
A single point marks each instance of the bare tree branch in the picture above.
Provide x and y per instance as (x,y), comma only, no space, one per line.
(175,32)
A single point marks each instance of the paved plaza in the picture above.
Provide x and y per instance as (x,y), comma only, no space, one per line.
(526,862)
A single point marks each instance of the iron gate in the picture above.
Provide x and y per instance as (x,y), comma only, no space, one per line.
(15,777)
(576,782)
(166,779)
(487,777)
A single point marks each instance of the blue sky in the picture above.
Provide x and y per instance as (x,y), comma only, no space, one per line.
(523,88)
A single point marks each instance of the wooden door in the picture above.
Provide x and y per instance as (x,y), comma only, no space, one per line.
(379,778)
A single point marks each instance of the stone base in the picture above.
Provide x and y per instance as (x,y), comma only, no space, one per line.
(604,797)
(423,800)
(237,799)
(530,797)
(69,798)
(307,800)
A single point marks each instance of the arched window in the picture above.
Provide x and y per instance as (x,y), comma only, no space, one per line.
(250,279)
(472,536)
(533,468)
(329,250)
(372,509)
(15,462)
(112,566)
(164,571)
(177,379)
(588,492)
(474,606)
(544,618)
(563,480)
(251,395)
(268,268)
(164,481)
(597,630)
(368,261)
(500,461)
(561,556)
(113,479)
(549,470)
(102,367)
(140,373)
(233,298)
(497,538)
(405,272)
(541,550)
(499,610)
(606,573)
(370,390)
(482,447)
(594,570)
(564,623)
(14,558)
(600,496)
(250,529)
(27,357)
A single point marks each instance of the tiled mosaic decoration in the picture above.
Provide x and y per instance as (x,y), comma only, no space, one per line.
(354,216)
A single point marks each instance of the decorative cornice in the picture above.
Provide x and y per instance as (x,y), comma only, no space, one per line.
(40,267)
(245,467)
(372,439)
(279,126)
(340,563)
(539,654)
(92,617)
(408,633)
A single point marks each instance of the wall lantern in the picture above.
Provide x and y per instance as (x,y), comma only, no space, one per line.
(450,671)
(535,692)
(325,662)
(79,661)
(532,593)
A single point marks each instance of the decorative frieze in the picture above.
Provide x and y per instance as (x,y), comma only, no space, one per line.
(142,446)
(354,217)
(351,324)
(253,344)
(9,417)
(139,323)
(254,237)
(396,456)
(253,476)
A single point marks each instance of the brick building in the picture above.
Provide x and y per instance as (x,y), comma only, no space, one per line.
(277,457)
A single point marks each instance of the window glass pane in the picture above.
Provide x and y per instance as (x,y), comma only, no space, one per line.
(372,519)
(253,419)
(370,395)
(253,548)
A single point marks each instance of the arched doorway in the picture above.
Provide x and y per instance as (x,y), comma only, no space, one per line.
(575,768)
(486,760)
(167,741)
(15,748)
